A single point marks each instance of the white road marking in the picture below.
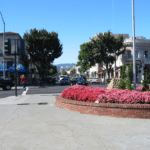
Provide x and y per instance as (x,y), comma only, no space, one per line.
(24,92)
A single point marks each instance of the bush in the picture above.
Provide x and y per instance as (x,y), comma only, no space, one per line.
(103,95)
(146,81)
(108,80)
(122,84)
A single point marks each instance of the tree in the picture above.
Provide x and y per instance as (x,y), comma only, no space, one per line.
(73,72)
(64,72)
(43,47)
(105,48)
(52,70)
(85,57)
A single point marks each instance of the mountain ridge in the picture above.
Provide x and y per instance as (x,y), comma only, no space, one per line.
(65,64)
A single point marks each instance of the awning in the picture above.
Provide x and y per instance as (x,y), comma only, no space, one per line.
(2,67)
(100,73)
(19,68)
(147,66)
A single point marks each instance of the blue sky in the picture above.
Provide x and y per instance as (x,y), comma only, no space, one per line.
(75,21)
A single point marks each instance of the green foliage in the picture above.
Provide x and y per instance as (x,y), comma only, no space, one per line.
(51,71)
(100,50)
(73,72)
(43,47)
(85,57)
(108,80)
(122,84)
(59,73)
(129,76)
(123,72)
(146,81)
(64,72)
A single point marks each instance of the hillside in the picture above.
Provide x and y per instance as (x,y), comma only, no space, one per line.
(65,64)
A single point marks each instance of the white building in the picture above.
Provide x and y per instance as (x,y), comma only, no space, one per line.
(142,52)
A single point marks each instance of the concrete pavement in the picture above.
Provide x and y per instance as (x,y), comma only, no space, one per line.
(34,122)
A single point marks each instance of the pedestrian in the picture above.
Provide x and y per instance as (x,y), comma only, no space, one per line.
(23,82)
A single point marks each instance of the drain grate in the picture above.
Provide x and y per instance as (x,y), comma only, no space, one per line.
(24,104)
(43,103)
(55,94)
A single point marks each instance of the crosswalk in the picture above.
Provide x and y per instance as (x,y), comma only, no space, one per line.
(24,92)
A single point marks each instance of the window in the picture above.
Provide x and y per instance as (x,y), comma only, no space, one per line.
(146,54)
(129,54)
(136,54)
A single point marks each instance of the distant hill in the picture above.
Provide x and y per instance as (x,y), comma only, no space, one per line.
(66,64)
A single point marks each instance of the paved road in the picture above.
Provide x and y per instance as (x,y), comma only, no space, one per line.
(39,90)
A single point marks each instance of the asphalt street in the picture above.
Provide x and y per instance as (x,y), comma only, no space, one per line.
(39,90)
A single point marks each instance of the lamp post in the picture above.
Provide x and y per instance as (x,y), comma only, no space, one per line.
(3,47)
(134,59)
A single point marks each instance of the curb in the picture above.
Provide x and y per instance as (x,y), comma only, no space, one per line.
(108,109)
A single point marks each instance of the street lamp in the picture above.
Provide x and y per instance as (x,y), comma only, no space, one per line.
(134,59)
(3,47)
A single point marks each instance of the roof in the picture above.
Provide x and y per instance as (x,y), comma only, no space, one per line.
(11,33)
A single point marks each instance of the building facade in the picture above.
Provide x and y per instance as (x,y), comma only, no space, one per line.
(16,44)
(142,52)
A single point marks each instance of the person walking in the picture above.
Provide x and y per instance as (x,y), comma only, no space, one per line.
(23,82)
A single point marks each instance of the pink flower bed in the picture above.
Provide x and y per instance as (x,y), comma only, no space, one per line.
(92,94)
(140,88)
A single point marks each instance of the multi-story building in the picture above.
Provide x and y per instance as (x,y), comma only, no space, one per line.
(16,44)
(142,52)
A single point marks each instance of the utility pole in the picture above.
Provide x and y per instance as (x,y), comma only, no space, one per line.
(3,47)
(15,71)
(134,59)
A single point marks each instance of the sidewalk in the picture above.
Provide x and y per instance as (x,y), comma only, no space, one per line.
(34,122)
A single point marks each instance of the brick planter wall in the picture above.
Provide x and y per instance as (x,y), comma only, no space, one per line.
(108,109)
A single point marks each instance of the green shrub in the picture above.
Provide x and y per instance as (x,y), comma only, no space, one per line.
(146,81)
(129,76)
(122,84)
(108,80)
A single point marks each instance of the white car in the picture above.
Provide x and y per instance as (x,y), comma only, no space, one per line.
(61,77)
(95,80)
(89,80)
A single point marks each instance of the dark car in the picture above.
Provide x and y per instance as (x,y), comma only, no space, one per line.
(78,81)
(64,81)
(50,80)
(6,84)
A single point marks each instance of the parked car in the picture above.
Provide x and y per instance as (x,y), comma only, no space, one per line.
(89,80)
(64,81)
(95,80)
(6,84)
(78,81)
(62,76)
(50,80)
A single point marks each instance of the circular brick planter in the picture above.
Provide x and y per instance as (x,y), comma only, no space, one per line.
(108,109)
